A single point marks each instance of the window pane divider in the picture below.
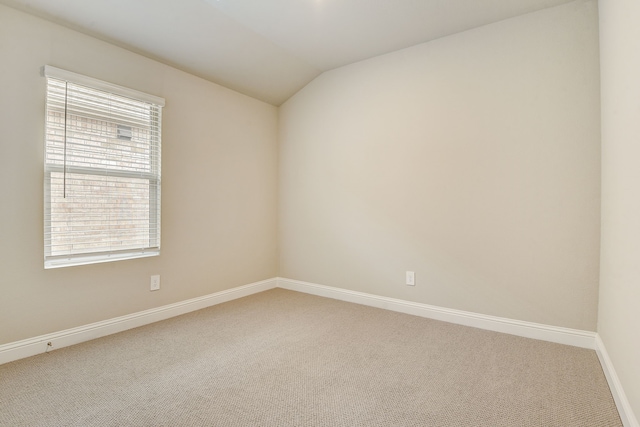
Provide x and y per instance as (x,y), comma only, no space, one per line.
(101,172)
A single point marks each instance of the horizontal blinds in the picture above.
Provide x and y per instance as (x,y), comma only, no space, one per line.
(102,175)
(81,80)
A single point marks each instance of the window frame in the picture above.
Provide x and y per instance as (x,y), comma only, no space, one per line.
(153,176)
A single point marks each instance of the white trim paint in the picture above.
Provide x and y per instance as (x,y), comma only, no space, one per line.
(37,345)
(573,337)
(619,396)
(32,346)
(577,338)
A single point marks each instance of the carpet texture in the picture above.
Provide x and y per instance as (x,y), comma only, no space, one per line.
(282,358)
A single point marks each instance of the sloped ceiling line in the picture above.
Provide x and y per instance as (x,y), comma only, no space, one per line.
(270,49)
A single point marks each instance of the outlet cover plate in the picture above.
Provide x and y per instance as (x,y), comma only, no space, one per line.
(155,283)
(411,278)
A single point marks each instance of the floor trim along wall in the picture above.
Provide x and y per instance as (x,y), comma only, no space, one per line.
(573,337)
(624,408)
(585,339)
(32,346)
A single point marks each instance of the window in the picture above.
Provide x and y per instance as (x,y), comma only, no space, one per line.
(101,171)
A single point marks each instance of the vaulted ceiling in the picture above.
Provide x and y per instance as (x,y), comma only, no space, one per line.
(270,49)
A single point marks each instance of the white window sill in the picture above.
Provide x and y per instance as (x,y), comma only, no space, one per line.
(59,262)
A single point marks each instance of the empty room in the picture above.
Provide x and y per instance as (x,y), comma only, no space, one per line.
(319,213)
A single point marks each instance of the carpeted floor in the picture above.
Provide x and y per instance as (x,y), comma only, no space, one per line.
(282,358)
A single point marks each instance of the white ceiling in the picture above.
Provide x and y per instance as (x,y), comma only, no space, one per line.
(269,49)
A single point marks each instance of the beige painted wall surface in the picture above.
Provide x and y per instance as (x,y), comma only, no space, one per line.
(218,194)
(472,160)
(619,310)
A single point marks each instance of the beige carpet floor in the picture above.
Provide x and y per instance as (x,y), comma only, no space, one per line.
(282,358)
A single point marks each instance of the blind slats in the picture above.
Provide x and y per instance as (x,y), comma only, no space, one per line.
(102,175)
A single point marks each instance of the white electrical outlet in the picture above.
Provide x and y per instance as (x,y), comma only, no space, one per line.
(411,278)
(155,282)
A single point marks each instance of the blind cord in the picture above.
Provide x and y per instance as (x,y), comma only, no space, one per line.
(64,161)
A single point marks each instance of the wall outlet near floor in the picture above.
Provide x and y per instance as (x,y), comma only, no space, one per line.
(155,282)
(411,278)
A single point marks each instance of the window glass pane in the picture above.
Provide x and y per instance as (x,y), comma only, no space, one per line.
(100,213)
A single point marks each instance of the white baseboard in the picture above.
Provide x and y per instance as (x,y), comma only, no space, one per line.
(624,408)
(37,345)
(573,337)
(591,340)
(32,346)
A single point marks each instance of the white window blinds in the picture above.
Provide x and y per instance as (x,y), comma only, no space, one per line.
(101,173)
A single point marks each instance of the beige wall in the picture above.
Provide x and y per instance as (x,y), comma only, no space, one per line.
(619,310)
(218,196)
(473,160)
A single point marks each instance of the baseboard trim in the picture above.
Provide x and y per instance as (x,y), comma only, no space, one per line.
(33,346)
(585,339)
(619,396)
(573,337)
